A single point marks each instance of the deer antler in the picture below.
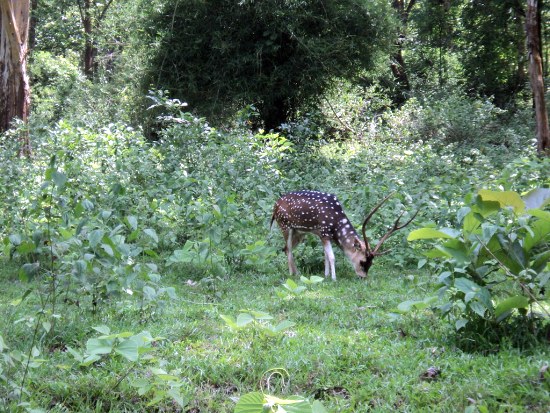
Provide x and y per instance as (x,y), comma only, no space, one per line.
(395,227)
(371,213)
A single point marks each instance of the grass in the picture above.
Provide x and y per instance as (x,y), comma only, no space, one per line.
(347,349)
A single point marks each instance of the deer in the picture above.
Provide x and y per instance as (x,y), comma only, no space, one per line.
(320,213)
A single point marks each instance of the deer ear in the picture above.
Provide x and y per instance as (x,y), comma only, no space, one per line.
(357,244)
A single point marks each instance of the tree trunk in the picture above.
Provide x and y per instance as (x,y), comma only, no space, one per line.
(89,49)
(535,74)
(14,81)
(397,64)
(32,24)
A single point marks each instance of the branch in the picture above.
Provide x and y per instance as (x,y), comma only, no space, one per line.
(81,11)
(104,11)
(510,274)
(345,125)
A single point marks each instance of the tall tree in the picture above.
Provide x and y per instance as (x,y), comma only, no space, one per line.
(278,55)
(14,81)
(534,47)
(92,14)
(493,48)
(397,63)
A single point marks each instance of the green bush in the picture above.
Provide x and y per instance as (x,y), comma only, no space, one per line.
(495,267)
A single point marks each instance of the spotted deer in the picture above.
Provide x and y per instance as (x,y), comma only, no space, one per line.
(320,213)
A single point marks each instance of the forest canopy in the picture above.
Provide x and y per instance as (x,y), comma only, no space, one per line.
(276,55)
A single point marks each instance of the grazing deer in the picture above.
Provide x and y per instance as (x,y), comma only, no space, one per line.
(321,214)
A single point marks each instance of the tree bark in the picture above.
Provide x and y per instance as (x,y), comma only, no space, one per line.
(397,64)
(14,81)
(91,17)
(536,77)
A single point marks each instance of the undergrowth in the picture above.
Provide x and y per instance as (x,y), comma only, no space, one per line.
(120,257)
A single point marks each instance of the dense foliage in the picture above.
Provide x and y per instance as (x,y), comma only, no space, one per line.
(144,275)
(277,56)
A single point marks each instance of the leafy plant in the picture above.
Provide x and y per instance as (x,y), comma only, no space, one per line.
(295,289)
(259,319)
(126,344)
(263,402)
(160,385)
(495,265)
(256,402)
(14,369)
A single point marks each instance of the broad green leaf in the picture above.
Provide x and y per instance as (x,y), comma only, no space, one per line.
(175,394)
(468,287)
(26,247)
(291,284)
(458,254)
(243,319)
(125,334)
(314,279)
(541,231)
(478,308)
(158,396)
(46,325)
(152,233)
(96,346)
(504,198)
(95,237)
(15,239)
(250,403)
(128,349)
(78,356)
(87,204)
(539,213)
(90,360)
(59,178)
(407,306)
(317,407)
(35,352)
(471,222)
(427,233)
(167,377)
(260,315)
(283,325)
(435,253)
(487,231)
(158,371)
(460,323)
(108,249)
(28,271)
(132,221)
(512,254)
(294,404)
(517,301)
(462,212)
(103,329)
(139,382)
(229,321)
(541,261)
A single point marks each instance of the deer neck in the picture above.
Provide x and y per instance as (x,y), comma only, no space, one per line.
(353,246)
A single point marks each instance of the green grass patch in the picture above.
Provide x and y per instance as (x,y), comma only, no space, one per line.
(346,349)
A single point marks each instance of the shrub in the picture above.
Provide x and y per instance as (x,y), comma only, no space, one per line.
(494,268)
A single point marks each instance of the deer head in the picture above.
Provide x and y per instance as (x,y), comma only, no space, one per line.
(371,253)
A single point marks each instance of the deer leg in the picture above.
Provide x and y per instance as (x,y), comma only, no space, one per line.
(290,243)
(329,259)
